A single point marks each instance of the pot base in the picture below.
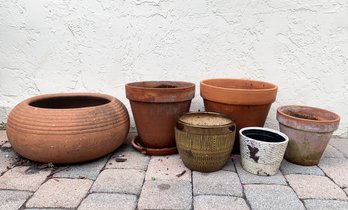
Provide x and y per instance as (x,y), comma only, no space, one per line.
(152,151)
(304,162)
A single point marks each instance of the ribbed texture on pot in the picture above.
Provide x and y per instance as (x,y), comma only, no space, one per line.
(204,153)
(67,135)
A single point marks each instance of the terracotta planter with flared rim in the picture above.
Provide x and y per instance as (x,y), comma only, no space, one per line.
(156,106)
(205,140)
(309,130)
(67,128)
(245,101)
(262,150)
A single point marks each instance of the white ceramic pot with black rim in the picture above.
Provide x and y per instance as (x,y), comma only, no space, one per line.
(262,150)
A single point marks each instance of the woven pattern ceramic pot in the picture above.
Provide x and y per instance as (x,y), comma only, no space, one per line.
(262,150)
(205,140)
(67,128)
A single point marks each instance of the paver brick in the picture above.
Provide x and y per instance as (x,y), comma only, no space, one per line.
(229,166)
(249,178)
(208,202)
(313,204)
(108,201)
(317,187)
(167,167)
(336,169)
(7,158)
(332,152)
(89,170)
(341,145)
(290,168)
(45,209)
(60,193)
(19,178)
(269,197)
(6,146)
(135,160)
(10,199)
(3,137)
(119,181)
(217,183)
(166,194)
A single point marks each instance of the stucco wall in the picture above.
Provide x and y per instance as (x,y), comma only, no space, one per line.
(51,46)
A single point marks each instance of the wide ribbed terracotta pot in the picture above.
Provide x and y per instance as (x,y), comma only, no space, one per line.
(156,106)
(245,101)
(67,128)
(309,130)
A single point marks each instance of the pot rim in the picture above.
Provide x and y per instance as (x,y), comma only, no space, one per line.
(238,96)
(272,88)
(30,100)
(207,126)
(134,85)
(280,111)
(265,129)
(138,91)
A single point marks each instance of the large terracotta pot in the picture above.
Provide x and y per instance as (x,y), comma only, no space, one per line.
(67,128)
(245,101)
(309,130)
(156,106)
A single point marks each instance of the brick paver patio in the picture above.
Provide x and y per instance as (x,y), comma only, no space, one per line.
(143,182)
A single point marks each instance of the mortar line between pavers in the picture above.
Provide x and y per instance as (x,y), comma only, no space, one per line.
(240,181)
(108,159)
(343,154)
(104,192)
(89,190)
(288,184)
(141,190)
(332,179)
(18,190)
(25,203)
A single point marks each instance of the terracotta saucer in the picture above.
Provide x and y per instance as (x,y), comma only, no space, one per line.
(150,151)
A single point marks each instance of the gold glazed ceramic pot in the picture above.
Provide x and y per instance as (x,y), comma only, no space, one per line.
(205,140)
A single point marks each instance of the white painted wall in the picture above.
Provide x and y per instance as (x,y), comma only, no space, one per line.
(49,46)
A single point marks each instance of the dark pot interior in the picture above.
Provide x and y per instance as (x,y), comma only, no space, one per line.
(68,102)
(263,135)
(161,84)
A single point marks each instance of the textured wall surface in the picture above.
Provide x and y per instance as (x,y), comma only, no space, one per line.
(49,46)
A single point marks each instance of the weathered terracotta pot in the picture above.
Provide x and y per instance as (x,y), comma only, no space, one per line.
(156,106)
(245,101)
(309,130)
(67,128)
